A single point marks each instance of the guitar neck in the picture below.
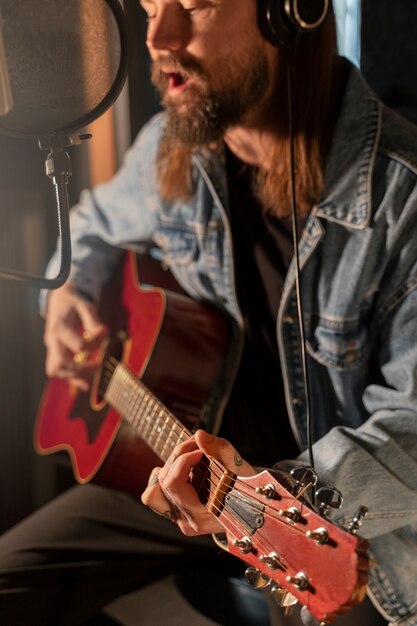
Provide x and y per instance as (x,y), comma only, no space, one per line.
(144,412)
(162,432)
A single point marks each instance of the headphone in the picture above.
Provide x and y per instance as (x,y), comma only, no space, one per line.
(281,21)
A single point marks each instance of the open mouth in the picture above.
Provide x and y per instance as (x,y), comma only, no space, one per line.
(177,81)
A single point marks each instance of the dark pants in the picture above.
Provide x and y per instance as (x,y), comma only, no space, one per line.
(65,562)
(88,546)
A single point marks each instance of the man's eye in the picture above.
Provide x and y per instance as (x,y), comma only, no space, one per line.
(190,7)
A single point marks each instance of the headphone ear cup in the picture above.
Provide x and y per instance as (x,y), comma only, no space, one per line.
(280,21)
(274,23)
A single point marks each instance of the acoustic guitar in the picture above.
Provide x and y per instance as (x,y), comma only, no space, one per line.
(118,431)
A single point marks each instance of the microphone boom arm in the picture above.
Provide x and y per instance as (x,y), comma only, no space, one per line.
(58,169)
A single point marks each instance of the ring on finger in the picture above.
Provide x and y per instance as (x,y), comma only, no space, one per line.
(81,357)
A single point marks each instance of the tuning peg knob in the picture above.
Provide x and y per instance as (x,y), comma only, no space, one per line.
(282,597)
(300,581)
(357,520)
(268,491)
(328,498)
(256,579)
(320,535)
(272,560)
(304,476)
(244,544)
(293,514)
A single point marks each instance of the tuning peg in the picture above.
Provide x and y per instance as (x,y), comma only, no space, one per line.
(320,535)
(256,578)
(244,544)
(269,491)
(272,560)
(357,520)
(282,597)
(293,514)
(300,581)
(304,476)
(328,498)
(308,619)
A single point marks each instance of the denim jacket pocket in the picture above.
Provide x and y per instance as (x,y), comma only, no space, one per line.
(339,344)
(177,241)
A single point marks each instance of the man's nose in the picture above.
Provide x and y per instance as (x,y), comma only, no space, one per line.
(168,30)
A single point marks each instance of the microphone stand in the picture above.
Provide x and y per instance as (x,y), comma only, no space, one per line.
(58,169)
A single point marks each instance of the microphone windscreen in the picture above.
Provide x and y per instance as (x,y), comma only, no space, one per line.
(66,62)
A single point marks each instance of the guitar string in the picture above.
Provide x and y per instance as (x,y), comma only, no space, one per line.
(268,510)
(263,545)
(109,368)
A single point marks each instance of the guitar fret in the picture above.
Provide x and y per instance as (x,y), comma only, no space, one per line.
(140,410)
(130,397)
(148,422)
(168,446)
(164,454)
(160,429)
(135,421)
(153,425)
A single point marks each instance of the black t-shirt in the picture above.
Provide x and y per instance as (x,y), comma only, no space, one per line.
(256,419)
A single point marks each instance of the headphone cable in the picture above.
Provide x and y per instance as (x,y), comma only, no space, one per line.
(296,255)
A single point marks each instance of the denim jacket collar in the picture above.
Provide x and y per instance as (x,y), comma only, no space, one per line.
(348,175)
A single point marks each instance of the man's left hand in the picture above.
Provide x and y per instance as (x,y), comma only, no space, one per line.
(169,492)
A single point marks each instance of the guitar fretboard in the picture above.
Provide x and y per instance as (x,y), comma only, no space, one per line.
(143,411)
(162,432)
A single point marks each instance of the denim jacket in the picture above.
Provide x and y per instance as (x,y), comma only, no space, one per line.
(358,257)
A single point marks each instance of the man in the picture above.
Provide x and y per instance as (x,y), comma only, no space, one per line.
(209,184)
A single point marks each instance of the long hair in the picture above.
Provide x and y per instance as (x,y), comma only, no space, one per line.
(315,99)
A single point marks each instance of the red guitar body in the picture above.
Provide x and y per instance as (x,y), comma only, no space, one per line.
(173,343)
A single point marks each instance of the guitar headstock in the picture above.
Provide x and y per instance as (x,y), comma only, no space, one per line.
(301,554)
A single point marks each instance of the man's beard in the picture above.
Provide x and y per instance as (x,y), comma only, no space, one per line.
(212,105)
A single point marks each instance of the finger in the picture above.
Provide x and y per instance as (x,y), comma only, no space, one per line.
(154,498)
(60,363)
(64,335)
(91,323)
(186,446)
(154,477)
(194,517)
(223,451)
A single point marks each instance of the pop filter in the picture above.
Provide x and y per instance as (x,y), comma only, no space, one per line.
(62,64)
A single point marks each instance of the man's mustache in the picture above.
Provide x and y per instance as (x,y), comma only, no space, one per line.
(186,66)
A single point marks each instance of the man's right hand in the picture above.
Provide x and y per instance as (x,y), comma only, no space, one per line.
(73,332)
